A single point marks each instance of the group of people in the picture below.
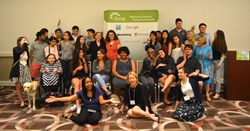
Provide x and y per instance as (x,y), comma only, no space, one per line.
(179,55)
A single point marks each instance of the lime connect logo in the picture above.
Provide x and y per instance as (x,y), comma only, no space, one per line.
(116,17)
(136,34)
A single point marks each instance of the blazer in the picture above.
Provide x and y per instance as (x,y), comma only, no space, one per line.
(147,67)
(15,71)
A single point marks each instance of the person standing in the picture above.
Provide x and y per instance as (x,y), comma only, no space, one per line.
(217,64)
(112,45)
(202,28)
(19,73)
(37,54)
(178,30)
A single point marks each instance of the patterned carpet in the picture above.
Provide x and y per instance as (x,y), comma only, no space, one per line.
(219,115)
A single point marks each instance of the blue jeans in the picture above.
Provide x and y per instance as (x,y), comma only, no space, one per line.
(100,81)
(216,74)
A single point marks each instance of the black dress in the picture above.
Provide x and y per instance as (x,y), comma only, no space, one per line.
(138,95)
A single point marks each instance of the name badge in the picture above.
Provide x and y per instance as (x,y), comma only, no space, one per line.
(186,98)
(132,102)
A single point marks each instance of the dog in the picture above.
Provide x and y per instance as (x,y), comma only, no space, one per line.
(30,89)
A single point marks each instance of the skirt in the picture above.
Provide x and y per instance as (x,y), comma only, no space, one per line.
(189,111)
(119,83)
(24,75)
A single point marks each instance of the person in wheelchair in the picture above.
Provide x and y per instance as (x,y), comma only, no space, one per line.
(50,71)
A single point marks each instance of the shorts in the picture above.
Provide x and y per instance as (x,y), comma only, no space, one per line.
(35,70)
(207,81)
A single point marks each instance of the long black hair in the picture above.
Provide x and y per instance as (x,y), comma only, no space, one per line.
(166,59)
(70,36)
(162,40)
(78,44)
(154,33)
(75,61)
(93,89)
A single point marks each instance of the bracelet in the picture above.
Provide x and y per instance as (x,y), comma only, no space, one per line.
(198,74)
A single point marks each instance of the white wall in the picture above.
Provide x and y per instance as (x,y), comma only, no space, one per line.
(26,17)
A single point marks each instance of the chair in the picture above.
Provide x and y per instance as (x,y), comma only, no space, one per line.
(159,85)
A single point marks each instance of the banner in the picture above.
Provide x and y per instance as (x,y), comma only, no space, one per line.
(133,28)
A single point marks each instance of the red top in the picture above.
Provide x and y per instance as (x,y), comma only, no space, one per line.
(112,50)
(165,47)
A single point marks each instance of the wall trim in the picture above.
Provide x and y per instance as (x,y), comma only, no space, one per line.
(6,83)
(6,55)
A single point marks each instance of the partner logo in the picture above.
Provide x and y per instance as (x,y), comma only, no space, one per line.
(124,34)
(117,17)
(118,27)
(132,27)
(141,34)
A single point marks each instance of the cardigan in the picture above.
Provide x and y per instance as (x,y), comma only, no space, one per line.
(147,67)
(195,86)
(15,71)
(205,50)
(106,71)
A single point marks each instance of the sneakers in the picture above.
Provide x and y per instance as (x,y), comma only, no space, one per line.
(78,110)
(73,108)
(216,96)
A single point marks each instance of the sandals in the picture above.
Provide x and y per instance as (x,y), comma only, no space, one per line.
(216,96)
(209,99)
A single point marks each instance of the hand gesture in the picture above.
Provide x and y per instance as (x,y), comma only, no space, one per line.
(47,70)
(84,61)
(169,71)
(79,68)
(121,110)
(193,74)
(170,111)
(161,64)
(51,99)
(80,33)
(55,69)
(208,55)
(218,67)
(59,22)
(193,27)
(101,68)
(51,34)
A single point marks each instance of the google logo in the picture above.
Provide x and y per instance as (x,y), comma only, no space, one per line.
(132,27)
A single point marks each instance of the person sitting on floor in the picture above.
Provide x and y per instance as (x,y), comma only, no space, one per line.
(193,107)
(136,99)
(92,98)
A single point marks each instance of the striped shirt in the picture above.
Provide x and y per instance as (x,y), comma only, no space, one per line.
(51,67)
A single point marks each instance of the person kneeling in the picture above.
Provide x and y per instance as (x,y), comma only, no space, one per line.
(92,98)
(136,99)
(193,107)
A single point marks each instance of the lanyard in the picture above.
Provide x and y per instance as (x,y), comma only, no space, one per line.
(129,92)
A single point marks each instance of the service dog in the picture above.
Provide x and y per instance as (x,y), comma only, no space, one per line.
(31,89)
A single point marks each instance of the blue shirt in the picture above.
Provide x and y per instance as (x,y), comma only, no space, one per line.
(94,104)
(208,37)
(205,50)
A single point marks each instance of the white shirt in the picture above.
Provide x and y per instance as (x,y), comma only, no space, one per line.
(187,89)
(176,53)
(23,58)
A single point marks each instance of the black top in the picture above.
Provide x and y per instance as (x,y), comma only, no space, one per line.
(195,86)
(15,71)
(164,69)
(147,67)
(191,64)
(79,73)
(93,48)
(140,97)
(216,54)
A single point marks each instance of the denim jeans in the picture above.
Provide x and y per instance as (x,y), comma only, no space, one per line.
(216,74)
(100,81)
